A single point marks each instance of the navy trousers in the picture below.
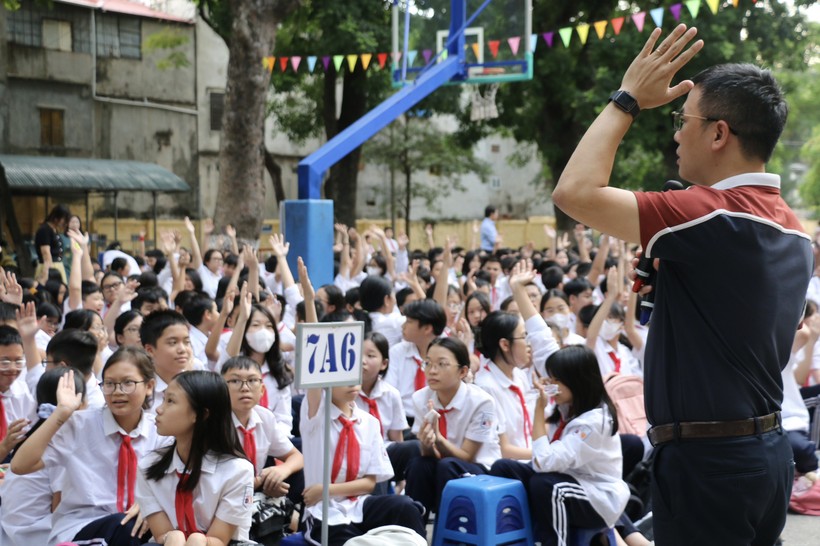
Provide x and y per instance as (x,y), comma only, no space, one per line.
(727,491)
(376,512)
(112,531)
(427,476)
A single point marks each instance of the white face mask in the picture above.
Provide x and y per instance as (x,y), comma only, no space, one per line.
(561,320)
(610,329)
(373,271)
(261,340)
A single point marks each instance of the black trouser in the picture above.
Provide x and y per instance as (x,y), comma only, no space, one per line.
(727,491)
(110,529)
(556,501)
(632,450)
(376,512)
(401,453)
(803,449)
(427,476)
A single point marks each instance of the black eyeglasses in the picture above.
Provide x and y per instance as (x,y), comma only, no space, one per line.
(678,121)
(127,387)
(237,384)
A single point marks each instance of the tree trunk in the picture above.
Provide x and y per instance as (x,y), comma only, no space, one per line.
(341,185)
(241,193)
(275,172)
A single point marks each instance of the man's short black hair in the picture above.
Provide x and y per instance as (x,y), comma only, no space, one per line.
(552,276)
(154,325)
(118,263)
(586,314)
(749,99)
(195,308)
(77,348)
(427,312)
(152,294)
(9,336)
(489,210)
(577,286)
(8,312)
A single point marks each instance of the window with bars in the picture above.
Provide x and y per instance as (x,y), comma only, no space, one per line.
(217,105)
(52,134)
(118,37)
(59,27)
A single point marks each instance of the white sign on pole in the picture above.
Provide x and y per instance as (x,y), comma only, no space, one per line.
(329,354)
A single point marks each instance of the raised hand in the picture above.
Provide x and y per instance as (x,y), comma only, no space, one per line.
(68,399)
(27,320)
(208,226)
(304,280)
(189,226)
(279,245)
(403,240)
(549,231)
(245,303)
(230,231)
(13,292)
(522,273)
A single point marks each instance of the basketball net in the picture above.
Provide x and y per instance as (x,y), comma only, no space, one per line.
(483,106)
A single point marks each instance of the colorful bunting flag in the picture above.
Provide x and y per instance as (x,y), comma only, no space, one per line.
(337,62)
(617,24)
(694,7)
(427,53)
(311,63)
(283,63)
(735,2)
(294,62)
(548,36)
(566,35)
(638,19)
(351,62)
(493,44)
(514,42)
(533,42)
(583,32)
(326,62)
(713,5)
(411,57)
(600,29)
(675,10)
(366,57)
(268,63)
(396,57)
(382,58)
(657,16)
(476,50)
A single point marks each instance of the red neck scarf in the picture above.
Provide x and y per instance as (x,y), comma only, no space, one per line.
(349,443)
(373,408)
(527,421)
(264,400)
(442,420)
(249,445)
(184,506)
(126,474)
(421,379)
(559,431)
(616,361)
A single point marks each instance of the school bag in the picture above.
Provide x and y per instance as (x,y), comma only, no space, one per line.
(806,501)
(626,393)
(270,518)
(393,535)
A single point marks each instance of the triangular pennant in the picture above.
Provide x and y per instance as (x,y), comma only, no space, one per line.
(638,19)
(713,5)
(675,10)
(411,57)
(283,63)
(493,44)
(382,58)
(657,16)
(351,61)
(533,42)
(326,62)
(427,53)
(600,29)
(311,63)
(337,62)
(583,32)
(548,36)
(694,7)
(617,23)
(735,2)
(268,63)
(514,42)
(366,57)
(444,54)
(566,35)
(294,62)
(476,50)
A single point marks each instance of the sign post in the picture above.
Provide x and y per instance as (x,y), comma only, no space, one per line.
(328,355)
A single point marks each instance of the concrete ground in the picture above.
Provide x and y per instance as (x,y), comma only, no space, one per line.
(801,530)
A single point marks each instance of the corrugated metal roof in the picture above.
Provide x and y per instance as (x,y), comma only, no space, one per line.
(35,174)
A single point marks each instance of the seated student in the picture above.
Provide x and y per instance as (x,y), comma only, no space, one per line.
(579,295)
(166,338)
(112,285)
(17,406)
(332,298)
(198,490)
(201,313)
(7,314)
(31,499)
(261,438)
(49,318)
(99,450)
(377,298)
(456,423)
(256,336)
(425,321)
(91,322)
(575,475)
(603,335)
(149,300)
(127,329)
(499,288)
(383,401)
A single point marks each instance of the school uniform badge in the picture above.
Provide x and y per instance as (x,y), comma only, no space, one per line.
(247,498)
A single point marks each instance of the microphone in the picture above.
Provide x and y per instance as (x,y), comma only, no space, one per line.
(645,272)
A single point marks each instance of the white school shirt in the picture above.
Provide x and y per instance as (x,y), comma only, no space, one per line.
(292,299)
(279,401)
(373,459)
(93,394)
(603,352)
(41,340)
(510,412)
(18,402)
(224,491)
(210,280)
(87,446)
(198,341)
(499,292)
(542,342)
(793,411)
(389,325)
(388,400)
(26,515)
(269,439)
(401,373)
(473,417)
(590,454)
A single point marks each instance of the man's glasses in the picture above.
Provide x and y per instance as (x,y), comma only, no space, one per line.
(678,121)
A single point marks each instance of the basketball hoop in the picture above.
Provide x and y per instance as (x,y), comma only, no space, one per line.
(483,107)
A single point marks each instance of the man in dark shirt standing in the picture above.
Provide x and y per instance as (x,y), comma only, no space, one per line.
(733,268)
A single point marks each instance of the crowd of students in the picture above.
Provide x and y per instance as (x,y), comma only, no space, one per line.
(148,397)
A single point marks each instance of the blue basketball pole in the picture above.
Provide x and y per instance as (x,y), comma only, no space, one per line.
(308,221)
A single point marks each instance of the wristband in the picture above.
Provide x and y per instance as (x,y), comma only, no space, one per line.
(625,102)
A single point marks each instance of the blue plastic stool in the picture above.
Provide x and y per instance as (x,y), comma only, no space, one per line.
(485,511)
(296,539)
(584,537)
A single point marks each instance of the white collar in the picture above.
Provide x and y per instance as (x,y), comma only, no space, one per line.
(111,427)
(749,179)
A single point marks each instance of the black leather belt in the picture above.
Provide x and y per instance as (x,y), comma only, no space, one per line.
(662,434)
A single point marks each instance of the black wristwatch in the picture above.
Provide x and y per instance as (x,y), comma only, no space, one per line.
(625,102)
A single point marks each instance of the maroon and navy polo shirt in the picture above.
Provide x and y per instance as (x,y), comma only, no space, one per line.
(735,264)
